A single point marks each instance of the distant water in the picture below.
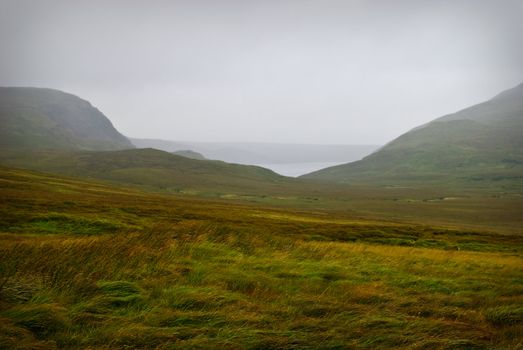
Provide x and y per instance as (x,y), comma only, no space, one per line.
(297,169)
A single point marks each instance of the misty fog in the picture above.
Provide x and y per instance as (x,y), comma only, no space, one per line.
(312,72)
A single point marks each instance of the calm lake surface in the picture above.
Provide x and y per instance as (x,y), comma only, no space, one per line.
(297,169)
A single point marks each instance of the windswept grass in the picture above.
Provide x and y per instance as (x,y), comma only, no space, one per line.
(157,290)
(158,272)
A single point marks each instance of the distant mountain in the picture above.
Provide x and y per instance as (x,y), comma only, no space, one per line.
(148,167)
(479,144)
(53,131)
(36,118)
(189,154)
(263,153)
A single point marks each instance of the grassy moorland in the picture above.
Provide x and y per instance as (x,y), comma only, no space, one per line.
(91,265)
(477,205)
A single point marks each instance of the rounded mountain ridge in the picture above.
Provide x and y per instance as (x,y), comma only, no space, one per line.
(44,118)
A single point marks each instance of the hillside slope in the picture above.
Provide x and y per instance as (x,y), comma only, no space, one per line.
(37,118)
(147,167)
(481,144)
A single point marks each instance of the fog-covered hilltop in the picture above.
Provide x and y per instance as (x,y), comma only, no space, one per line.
(479,144)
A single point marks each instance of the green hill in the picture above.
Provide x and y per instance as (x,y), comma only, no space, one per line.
(479,145)
(149,168)
(36,118)
(190,154)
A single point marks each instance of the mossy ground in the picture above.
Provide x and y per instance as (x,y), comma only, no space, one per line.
(86,265)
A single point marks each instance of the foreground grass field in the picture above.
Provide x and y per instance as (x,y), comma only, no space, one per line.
(88,265)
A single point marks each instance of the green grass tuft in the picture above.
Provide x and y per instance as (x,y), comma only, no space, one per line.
(42,320)
(505,315)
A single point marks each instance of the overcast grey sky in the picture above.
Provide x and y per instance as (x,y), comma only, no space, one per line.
(335,72)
